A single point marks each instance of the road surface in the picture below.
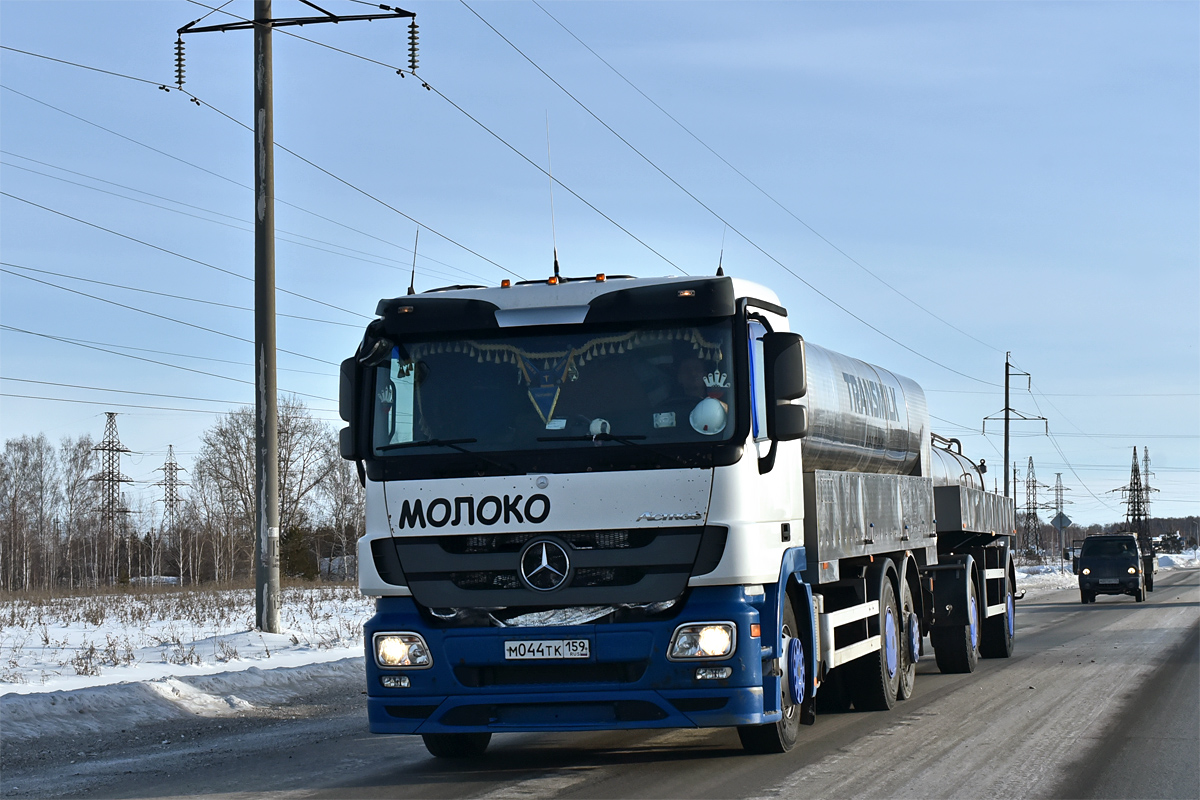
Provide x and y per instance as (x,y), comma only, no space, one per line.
(1100,700)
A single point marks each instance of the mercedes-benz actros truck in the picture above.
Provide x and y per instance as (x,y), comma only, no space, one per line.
(621,503)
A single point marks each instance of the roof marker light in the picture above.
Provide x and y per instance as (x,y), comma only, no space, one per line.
(601,278)
(687,292)
(404,309)
(504,284)
(553,280)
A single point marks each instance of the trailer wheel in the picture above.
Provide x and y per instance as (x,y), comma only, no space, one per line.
(781,736)
(877,675)
(999,631)
(910,643)
(456,745)
(956,648)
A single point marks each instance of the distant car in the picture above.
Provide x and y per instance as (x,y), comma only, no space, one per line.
(1111,564)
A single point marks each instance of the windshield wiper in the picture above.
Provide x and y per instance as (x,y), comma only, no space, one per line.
(453,444)
(609,437)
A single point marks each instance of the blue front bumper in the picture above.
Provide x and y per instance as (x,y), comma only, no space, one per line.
(626,682)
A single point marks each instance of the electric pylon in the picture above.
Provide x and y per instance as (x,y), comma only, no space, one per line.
(111,478)
(1032,528)
(171,483)
(1136,497)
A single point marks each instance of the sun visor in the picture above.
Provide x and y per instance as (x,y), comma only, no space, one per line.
(702,298)
(407,316)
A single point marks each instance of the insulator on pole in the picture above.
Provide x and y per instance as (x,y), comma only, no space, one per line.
(412,45)
(179,62)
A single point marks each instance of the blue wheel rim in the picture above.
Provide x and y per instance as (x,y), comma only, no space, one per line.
(914,639)
(891,646)
(973,624)
(1012,613)
(796,676)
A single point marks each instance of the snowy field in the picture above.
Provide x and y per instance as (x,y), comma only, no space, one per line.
(94,661)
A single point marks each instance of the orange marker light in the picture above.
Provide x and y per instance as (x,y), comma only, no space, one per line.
(601,278)
(504,284)
(552,281)
(755,630)
(687,292)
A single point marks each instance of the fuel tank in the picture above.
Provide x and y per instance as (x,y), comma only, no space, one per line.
(863,418)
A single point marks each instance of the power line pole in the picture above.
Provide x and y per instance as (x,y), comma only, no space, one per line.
(266,417)
(111,478)
(171,483)
(1010,414)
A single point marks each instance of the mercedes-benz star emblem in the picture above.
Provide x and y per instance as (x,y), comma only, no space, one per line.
(544,565)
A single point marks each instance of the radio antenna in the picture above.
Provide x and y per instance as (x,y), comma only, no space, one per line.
(413,279)
(550,174)
(721,258)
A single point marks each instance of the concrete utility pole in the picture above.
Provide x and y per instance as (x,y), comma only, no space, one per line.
(1011,413)
(266,416)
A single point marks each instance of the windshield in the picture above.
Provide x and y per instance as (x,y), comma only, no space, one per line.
(1109,548)
(612,388)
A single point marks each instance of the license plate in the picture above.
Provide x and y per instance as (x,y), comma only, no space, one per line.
(1110,580)
(547,648)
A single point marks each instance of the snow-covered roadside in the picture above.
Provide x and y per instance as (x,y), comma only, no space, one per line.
(114,661)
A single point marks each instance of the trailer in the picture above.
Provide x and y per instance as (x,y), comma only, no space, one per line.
(619,503)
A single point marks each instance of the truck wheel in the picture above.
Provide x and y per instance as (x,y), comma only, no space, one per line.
(1085,598)
(779,737)
(910,643)
(1140,594)
(456,745)
(1150,581)
(956,648)
(877,675)
(999,631)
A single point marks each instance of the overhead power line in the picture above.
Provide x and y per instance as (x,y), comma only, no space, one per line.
(159,316)
(760,189)
(174,297)
(715,213)
(147,360)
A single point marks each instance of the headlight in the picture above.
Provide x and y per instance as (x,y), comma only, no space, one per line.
(401,650)
(703,640)
(1132,571)
(1086,571)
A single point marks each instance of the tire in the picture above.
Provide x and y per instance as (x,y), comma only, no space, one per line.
(1140,594)
(1150,581)
(456,745)
(876,675)
(956,648)
(1085,597)
(910,643)
(1000,631)
(781,736)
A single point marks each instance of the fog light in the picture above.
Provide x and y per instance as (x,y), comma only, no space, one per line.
(401,650)
(703,640)
(713,673)
(394,681)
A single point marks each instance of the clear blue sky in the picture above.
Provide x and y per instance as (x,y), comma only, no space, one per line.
(973,178)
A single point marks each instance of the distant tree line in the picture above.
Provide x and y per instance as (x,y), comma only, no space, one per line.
(52,533)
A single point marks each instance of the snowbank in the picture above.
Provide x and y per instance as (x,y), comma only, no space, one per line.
(103,709)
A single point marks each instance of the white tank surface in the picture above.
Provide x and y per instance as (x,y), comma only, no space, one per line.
(862,418)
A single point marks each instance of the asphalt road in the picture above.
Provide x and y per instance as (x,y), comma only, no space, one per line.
(1099,701)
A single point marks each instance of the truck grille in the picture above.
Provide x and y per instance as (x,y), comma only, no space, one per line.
(607,566)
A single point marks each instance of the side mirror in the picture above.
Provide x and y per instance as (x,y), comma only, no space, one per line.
(786,380)
(1066,553)
(348,405)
